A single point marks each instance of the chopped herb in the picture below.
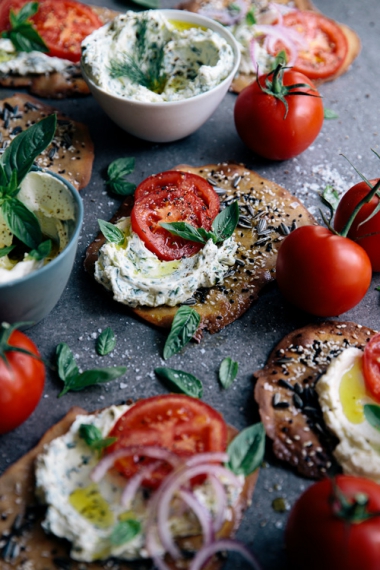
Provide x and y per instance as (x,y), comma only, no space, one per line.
(184,326)
(117,171)
(124,531)
(330,114)
(227,372)
(93,437)
(112,233)
(22,33)
(180,381)
(106,342)
(250,17)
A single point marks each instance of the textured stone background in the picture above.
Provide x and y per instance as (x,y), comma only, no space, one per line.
(85,309)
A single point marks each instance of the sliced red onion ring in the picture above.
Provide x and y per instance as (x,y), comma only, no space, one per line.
(206,457)
(202,514)
(276,9)
(139,450)
(206,552)
(226,17)
(153,549)
(134,483)
(220,501)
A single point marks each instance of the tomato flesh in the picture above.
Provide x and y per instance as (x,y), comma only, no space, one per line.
(178,423)
(172,197)
(371,366)
(21,383)
(325,48)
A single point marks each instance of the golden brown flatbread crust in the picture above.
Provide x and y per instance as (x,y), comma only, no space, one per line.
(265,206)
(56,85)
(288,403)
(71,153)
(21,517)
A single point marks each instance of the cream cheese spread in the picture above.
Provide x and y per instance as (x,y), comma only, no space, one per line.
(51,202)
(342,395)
(192,60)
(23,63)
(86,513)
(136,276)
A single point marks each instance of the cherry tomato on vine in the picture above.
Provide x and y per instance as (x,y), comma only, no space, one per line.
(277,122)
(328,528)
(321,272)
(371,366)
(346,206)
(21,379)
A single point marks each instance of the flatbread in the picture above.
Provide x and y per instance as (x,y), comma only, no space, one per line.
(287,400)
(268,208)
(242,80)
(28,547)
(57,85)
(71,153)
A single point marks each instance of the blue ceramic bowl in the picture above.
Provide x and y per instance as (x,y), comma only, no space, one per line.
(31,298)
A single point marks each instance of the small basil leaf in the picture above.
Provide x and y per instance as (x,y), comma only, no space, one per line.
(184,230)
(67,366)
(111,232)
(27,11)
(148,3)
(228,371)
(105,342)
(103,443)
(121,167)
(181,382)
(246,450)
(92,377)
(372,415)
(184,326)
(90,433)
(25,38)
(330,114)
(124,531)
(225,223)
(25,148)
(5,250)
(22,222)
(122,187)
(250,17)
(42,251)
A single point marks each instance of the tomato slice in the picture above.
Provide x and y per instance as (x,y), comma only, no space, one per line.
(371,366)
(326,45)
(63,24)
(176,422)
(172,196)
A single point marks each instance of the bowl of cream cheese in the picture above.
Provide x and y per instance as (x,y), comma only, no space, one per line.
(160,74)
(31,283)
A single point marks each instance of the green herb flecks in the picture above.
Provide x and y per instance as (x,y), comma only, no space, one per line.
(74,380)
(93,437)
(22,34)
(112,233)
(246,450)
(180,381)
(372,415)
(106,342)
(184,326)
(124,531)
(153,77)
(330,114)
(117,171)
(227,372)
(250,17)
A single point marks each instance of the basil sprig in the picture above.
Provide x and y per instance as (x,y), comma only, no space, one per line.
(124,531)
(330,114)
(184,326)
(93,437)
(117,171)
(246,450)
(222,227)
(22,34)
(180,381)
(15,163)
(372,415)
(106,342)
(42,251)
(74,380)
(228,371)
(111,232)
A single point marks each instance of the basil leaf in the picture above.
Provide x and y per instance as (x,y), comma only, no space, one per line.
(5,250)
(184,326)
(42,251)
(25,148)
(330,114)
(91,377)
(124,531)
(27,11)
(372,415)
(105,342)
(225,223)
(181,382)
(246,450)
(22,222)
(227,372)
(25,38)
(93,437)
(250,17)
(122,187)
(121,167)
(148,3)
(185,231)
(111,232)
(103,443)
(330,197)
(67,366)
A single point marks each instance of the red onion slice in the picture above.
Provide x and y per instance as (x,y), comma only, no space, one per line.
(134,483)
(220,500)
(206,552)
(202,514)
(139,450)
(217,456)
(154,549)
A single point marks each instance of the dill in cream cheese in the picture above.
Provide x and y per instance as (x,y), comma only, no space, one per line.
(136,276)
(146,57)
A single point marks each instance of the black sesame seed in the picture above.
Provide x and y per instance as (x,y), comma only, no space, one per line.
(297,401)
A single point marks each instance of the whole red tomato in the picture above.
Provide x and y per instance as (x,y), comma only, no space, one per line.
(322,273)
(346,206)
(267,127)
(319,536)
(21,379)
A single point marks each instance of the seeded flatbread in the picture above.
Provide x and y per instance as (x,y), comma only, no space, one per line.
(28,547)
(71,153)
(56,85)
(288,402)
(268,213)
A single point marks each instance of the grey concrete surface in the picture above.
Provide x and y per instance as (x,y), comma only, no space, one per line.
(85,309)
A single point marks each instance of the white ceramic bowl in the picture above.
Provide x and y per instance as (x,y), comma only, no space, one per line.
(170,120)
